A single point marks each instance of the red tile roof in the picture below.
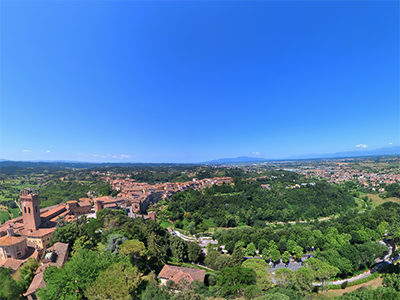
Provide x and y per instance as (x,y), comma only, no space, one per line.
(37,233)
(177,273)
(36,283)
(10,240)
(11,263)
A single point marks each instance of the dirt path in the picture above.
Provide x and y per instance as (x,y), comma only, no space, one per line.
(336,293)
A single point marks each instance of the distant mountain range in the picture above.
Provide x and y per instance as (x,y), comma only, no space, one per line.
(394,150)
(237,159)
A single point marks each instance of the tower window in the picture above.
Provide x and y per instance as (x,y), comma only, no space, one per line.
(36,208)
(29,210)
(24,209)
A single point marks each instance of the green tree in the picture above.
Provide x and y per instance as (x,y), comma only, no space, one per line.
(392,280)
(222,262)
(114,243)
(117,282)
(261,269)
(9,288)
(27,272)
(202,227)
(252,291)
(83,242)
(211,258)
(192,227)
(382,228)
(153,292)
(71,281)
(298,252)
(283,276)
(272,245)
(194,252)
(266,254)
(251,249)
(303,279)
(291,245)
(274,296)
(154,245)
(179,248)
(325,273)
(134,249)
(286,257)
(66,234)
(237,256)
(234,280)
(275,255)
(262,244)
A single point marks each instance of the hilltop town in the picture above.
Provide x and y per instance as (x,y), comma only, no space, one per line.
(192,232)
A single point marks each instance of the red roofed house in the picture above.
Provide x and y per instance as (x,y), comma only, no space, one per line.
(176,274)
(54,256)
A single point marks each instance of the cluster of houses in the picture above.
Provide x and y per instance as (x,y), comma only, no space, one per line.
(28,236)
(141,195)
(343,173)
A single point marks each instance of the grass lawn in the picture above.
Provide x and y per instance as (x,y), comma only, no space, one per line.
(376,200)
(4,216)
(15,212)
(165,224)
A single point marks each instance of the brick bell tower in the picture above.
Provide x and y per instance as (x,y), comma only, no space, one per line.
(30,210)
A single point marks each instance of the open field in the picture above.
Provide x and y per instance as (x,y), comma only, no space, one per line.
(376,200)
(15,212)
(336,293)
(4,216)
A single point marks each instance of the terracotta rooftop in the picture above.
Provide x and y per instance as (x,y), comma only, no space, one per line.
(37,233)
(36,283)
(104,198)
(177,273)
(49,213)
(11,263)
(10,240)
(61,215)
(43,267)
(61,249)
(85,199)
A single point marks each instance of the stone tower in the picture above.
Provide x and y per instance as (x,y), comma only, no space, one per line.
(30,210)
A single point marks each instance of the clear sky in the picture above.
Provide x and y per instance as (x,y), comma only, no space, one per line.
(191,81)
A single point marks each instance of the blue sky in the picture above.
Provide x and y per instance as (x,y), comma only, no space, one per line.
(190,81)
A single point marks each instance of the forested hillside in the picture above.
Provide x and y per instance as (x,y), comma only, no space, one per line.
(247,202)
(57,192)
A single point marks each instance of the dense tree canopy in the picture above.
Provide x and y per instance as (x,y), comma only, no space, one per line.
(248,203)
